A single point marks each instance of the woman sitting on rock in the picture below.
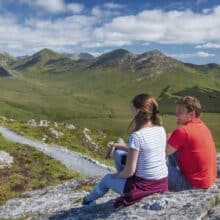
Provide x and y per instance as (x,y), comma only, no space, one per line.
(141,165)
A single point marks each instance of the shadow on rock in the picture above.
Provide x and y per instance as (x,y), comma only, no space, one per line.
(93,211)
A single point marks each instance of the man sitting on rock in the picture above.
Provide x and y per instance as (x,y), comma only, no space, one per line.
(191,149)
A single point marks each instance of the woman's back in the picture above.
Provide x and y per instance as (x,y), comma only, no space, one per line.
(151,144)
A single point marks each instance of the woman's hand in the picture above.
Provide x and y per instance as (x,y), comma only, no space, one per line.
(113,147)
(110,152)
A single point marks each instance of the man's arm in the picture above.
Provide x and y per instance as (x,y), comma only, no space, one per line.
(170,150)
(175,140)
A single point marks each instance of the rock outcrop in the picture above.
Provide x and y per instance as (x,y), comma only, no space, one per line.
(64,202)
(89,140)
(5,160)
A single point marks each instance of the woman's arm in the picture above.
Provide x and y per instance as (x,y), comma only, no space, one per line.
(113,147)
(130,165)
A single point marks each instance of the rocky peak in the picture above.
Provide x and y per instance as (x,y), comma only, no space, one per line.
(45,53)
(153,63)
(5,58)
(4,72)
(153,56)
(114,58)
(78,56)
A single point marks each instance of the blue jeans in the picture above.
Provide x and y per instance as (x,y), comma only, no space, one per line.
(108,181)
(176,180)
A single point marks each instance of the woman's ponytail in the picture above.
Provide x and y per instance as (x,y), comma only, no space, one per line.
(147,110)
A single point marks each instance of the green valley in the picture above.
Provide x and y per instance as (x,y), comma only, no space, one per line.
(97,92)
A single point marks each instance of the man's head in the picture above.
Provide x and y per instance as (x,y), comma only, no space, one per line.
(187,108)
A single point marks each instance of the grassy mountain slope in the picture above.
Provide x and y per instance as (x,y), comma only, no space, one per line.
(99,90)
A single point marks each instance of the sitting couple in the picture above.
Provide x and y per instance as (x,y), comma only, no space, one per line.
(142,168)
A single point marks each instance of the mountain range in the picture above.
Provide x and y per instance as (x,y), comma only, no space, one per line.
(63,86)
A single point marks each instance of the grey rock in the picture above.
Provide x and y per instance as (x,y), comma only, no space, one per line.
(89,140)
(6,160)
(70,126)
(32,123)
(213,214)
(55,133)
(120,140)
(43,123)
(64,202)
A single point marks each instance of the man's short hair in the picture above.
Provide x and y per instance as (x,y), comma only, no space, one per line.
(191,103)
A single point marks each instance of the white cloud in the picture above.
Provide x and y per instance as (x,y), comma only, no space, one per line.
(75,7)
(89,31)
(20,40)
(177,27)
(112,5)
(206,10)
(205,54)
(54,6)
(96,54)
(200,54)
(96,11)
(208,45)
(182,55)
(103,13)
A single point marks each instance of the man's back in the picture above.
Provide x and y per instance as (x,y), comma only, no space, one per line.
(196,153)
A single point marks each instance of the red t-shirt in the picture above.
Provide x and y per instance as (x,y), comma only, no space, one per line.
(196,153)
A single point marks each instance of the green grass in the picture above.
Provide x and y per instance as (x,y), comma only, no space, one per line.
(60,93)
(72,139)
(61,90)
(31,170)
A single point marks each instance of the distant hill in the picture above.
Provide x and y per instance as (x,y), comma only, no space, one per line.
(6,59)
(40,58)
(149,64)
(119,57)
(57,87)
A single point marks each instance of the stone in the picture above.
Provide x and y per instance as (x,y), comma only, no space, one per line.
(86,130)
(64,202)
(89,140)
(32,123)
(120,140)
(6,160)
(44,138)
(55,133)
(43,123)
(70,126)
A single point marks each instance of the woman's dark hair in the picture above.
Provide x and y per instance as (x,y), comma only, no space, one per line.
(147,111)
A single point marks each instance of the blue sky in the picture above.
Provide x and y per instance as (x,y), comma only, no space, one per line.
(188,30)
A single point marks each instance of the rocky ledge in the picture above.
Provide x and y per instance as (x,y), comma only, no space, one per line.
(64,202)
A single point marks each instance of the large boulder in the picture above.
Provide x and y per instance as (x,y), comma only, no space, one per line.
(64,202)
